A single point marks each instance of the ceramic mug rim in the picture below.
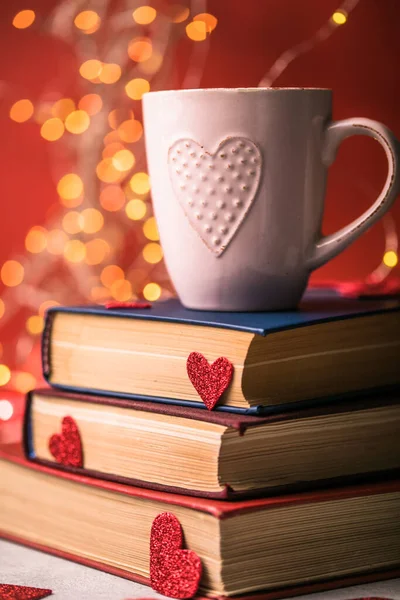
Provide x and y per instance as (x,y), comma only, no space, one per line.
(254,90)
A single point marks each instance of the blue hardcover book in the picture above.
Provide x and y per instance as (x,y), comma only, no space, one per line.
(330,347)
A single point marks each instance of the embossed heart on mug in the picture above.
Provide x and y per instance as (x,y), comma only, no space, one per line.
(215,191)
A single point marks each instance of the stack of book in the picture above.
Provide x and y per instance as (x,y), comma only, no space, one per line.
(271,439)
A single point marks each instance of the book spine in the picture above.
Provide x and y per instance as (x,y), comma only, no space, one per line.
(46,339)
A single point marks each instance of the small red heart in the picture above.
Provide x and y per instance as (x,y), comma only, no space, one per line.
(22,592)
(209,381)
(173,572)
(66,447)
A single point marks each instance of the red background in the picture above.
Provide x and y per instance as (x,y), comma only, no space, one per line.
(359,61)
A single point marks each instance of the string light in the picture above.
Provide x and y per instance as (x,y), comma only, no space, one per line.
(152,253)
(70,187)
(91,103)
(144,15)
(6,409)
(140,49)
(112,198)
(150,229)
(136,88)
(91,220)
(152,291)
(12,273)
(23,19)
(110,274)
(74,251)
(36,240)
(140,183)
(35,324)
(97,251)
(135,209)
(87,21)
(21,111)
(52,129)
(77,122)
(390,258)
(123,160)
(110,73)
(130,131)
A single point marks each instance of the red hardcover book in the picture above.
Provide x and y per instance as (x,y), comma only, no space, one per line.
(262,548)
(215,454)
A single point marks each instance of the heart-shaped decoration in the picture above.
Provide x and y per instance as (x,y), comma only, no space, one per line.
(22,592)
(216,191)
(209,381)
(66,447)
(173,572)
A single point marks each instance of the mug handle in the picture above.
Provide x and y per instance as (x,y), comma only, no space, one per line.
(329,246)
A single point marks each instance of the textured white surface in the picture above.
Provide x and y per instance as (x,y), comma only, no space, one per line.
(70,581)
(216,191)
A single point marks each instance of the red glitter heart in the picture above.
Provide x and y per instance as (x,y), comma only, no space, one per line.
(22,592)
(173,572)
(209,381)
(117,304)
(66,447)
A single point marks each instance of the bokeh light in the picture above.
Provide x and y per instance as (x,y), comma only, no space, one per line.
(56,240)
(72,222)
(123,160)
(152,253)
(339,17)
(110,274)
(196,31)
(153,64)
(111,149)
(110,73)
(209,20)
(6,409)
(77,122)
(91,69)
(144,15)
(91,103)
(130,131)
(135,88)
(70,187)
(390,258)
(152,291)
(74,251)
(121,290)
(21,111)
(97,251)
(35,324)
(87,21)
(62,108)
(106,171)
(2,308)
(140,183)
(23,381)
(52,129)
(140,49)
(12,273)
(150,229)
(112,198)
(136,209)
(91,220)
(178,13)
(23,19)
(36,240)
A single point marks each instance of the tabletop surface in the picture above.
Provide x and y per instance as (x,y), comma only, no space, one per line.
(70,581)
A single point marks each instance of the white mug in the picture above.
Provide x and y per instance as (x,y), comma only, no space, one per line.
(238,184)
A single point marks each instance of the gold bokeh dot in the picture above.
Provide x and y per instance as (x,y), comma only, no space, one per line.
(36,240)
(135,88)
(130,131)
(152,253)
(72,222)
(144,15)
(52,129)
(339,17)
(35,324)
(97,251)
(390,258)
(136,209)
(21,111)
(12,273)
(178,13)
(121,290)
(91,103)
(123,160)
(5,374)
(56,240)
(112,149)
(92,220)
(24,19)
(110,73)
(87,21)
(140,183)
(91,69)
(24,382)
(196,31)
(152,291)
(110,274)
(74,251)
(77,122)
(140,49)
(106,171)
(209,20)
(70,187)
(112,198)
(2,308)
(150,229)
